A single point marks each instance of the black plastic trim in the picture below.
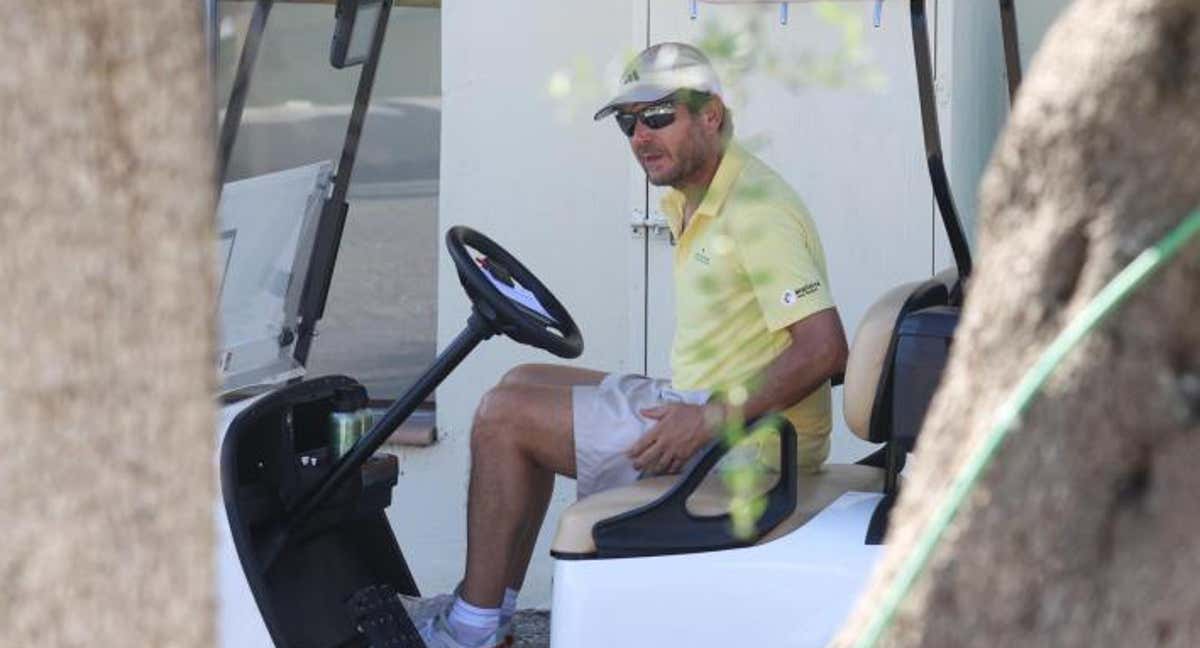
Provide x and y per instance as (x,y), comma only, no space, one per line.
(241,87)
(877,459)
(333,217)
(570,555)
(380,617)
(1012,47)
(931,293)
(665,526)
(345,14)
(880,459)
(933,142)
(895,456)
(891,459)
(877,528)
(286,595)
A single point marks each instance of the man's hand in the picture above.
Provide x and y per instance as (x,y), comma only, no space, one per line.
(681,431)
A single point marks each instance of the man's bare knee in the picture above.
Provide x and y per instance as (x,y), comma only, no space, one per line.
(533,420)
(503,416)
(550,374)
(520,375)
(493,418)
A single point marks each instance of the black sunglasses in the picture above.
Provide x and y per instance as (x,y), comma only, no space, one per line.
(656,116)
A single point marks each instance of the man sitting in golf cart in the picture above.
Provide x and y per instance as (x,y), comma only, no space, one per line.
(755,321)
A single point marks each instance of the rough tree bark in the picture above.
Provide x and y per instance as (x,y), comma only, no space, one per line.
(1086,530)
(106,326)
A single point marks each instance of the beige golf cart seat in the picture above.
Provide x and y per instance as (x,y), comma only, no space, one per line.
(704,503)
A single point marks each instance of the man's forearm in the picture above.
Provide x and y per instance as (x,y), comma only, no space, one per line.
(788,380)
(797,372)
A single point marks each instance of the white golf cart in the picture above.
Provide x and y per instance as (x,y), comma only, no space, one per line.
(653,564)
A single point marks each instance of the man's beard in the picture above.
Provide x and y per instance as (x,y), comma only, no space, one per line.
(688,159)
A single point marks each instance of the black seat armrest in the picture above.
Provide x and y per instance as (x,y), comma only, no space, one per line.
(665,526)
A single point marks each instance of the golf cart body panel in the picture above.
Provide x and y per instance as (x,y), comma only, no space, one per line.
(794,591)
(574,541)
(299,521)
(274,451)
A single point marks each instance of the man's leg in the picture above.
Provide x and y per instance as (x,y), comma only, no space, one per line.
(541,374)
(550,374)
(522,436)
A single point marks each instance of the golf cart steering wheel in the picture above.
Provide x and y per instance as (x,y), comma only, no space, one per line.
(507,295)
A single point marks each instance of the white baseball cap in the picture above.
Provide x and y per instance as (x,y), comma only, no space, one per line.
(660,71)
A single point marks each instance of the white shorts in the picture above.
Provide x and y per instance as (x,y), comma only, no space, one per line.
(608,422)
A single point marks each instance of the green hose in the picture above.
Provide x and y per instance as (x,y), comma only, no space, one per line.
(1093,314)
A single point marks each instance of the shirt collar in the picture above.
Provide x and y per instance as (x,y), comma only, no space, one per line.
(727,173)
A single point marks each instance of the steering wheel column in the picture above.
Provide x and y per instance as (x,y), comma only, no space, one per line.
(506,298)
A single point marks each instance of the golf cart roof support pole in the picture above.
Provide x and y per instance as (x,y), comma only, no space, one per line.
(1012,47)
(241,86)
(333,216)
(933,142)
(477,331)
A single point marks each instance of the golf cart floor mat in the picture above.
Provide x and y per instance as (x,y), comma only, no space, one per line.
(308,579)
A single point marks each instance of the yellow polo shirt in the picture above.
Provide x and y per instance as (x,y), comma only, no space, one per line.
(748,266)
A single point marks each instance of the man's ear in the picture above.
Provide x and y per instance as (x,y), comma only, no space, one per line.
(713,112)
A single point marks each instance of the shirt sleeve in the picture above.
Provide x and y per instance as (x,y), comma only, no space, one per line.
(779,253)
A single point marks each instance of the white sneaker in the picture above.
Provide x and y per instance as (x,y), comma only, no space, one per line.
(422,609)
(436,633)
(430,617)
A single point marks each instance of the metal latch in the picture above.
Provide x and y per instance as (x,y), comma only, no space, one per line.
(656,224)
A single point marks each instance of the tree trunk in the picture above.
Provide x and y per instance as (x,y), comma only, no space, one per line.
(106,325)
(1085,531)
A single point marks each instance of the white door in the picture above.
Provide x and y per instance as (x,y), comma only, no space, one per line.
(830,102)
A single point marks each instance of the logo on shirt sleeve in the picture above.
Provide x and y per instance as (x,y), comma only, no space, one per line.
(791,296)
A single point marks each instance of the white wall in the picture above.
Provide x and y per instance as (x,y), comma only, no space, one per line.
(978,102)
(977,91)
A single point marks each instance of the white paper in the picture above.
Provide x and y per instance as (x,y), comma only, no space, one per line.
(516,293)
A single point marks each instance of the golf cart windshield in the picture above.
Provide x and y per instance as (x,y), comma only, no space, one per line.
(290,129)
(266,239)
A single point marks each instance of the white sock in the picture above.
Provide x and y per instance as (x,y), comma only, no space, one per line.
(509,607)
(470,625)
